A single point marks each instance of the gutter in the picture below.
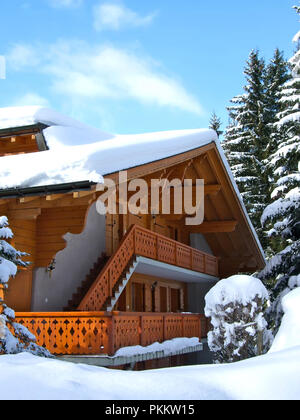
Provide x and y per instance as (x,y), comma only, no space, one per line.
(46,190)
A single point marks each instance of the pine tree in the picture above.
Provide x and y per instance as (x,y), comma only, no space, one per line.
(249,139)
(14,337)
(276,75)
(215,124)
(246,140)
(281,217)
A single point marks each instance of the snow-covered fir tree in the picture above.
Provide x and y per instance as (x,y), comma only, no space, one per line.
(248,140)
(276,75)
(215,124)
(281,218)
(14,337)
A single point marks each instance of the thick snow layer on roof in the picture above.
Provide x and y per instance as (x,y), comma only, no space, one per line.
(89,162)
(168,347)
(81,153)
(13,117)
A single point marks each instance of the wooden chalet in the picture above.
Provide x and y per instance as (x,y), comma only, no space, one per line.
(100,283)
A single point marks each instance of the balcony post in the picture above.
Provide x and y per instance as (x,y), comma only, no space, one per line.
(111,335)
(134,241)
(164,328)
(141,343)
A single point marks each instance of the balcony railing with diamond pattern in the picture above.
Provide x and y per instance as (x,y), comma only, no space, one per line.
(95,333)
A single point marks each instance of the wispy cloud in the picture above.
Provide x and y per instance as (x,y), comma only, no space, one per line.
(65,3)
(31,99)
(83,73)
(22,55)
(2,67)
(113,16)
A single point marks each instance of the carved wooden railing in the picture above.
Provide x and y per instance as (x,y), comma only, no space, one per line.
(95,333)
(132,329)
(142,242)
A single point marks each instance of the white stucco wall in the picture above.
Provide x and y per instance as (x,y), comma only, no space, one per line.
(197,291)
(196,295)
(52,292)
(198,241)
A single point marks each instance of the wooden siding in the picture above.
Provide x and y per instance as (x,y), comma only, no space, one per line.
(151,294)
(19,144)
(52,224)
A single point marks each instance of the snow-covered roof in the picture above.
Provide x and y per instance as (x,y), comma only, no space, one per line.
(78,152)
(23,116)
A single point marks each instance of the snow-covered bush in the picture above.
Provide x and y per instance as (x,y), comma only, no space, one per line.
(14,337)
(236,308)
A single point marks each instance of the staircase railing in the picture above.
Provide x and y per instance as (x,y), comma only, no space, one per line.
(142,242)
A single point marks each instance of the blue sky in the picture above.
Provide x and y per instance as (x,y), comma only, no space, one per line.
(131,66)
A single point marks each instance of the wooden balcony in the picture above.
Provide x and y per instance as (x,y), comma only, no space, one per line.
(96,333)
(142,242)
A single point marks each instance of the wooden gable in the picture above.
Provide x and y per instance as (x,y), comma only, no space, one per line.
(22,140)
(40,219)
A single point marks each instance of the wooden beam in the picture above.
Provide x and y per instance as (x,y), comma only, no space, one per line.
(24,200)
(59,200)
(212,189)
(54,197)
(214,227)
(150,168)
(26,214)
(82,194)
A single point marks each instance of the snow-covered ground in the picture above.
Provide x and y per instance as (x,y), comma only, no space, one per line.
(273,376)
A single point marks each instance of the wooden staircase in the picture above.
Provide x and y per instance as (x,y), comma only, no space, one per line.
(120,286)
(106,289)
(86,284)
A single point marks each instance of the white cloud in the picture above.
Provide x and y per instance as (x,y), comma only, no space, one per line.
(82,73)
(112,16)
(65,3)
(2,67)
(22,55)
(31,99)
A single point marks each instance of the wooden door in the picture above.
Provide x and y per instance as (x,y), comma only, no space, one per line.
(163,299)
(175,300)
(138,297)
